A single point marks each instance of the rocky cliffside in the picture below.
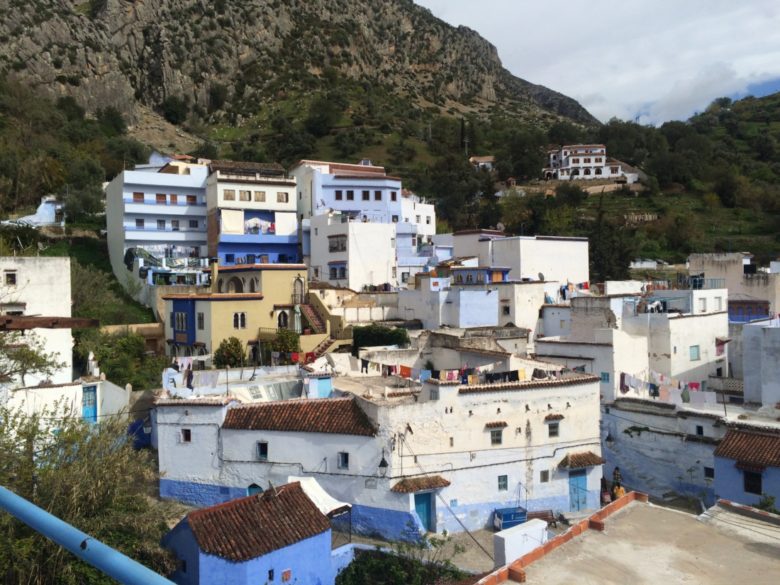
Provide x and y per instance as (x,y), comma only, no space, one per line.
(237,55)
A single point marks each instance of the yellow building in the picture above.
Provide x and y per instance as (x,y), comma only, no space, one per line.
(249,302)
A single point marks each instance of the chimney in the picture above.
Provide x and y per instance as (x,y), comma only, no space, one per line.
(214,273)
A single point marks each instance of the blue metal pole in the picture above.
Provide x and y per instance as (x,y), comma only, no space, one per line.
(103,557)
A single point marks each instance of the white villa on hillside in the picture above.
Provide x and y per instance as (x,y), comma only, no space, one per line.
(586,162)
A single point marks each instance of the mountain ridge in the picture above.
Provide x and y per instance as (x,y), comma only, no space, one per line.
(240,57)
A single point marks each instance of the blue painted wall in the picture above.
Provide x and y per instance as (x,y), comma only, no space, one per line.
(188,308)
(309,561)
(182,542)
(388,524)
(272,250)
(729,483)
(198,494)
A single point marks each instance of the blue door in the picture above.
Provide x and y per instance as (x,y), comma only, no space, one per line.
(423,505)
(578,490)
(254,489)
(89,404)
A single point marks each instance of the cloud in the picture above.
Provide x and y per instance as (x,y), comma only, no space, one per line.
(659,59)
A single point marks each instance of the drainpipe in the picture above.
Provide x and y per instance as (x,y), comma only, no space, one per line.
(214,274)
(101,556)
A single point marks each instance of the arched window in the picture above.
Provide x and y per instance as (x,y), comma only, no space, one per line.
(219,285)
(252,285)
(298,291)
(235,285)
(254,489)
(283,320)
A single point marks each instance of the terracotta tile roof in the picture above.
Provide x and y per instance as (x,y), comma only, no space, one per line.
(578,460)
(419,484)
(250,527)
(194,401)
(340,416)
(756,449)
(499,424)
(551,417)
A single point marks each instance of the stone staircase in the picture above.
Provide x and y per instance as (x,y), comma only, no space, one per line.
(323,347)
(313,318)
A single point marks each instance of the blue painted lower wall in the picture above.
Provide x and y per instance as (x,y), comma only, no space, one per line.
(198,494)
(387,524)
(287,251)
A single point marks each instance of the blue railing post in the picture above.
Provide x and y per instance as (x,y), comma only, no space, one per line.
(99,555)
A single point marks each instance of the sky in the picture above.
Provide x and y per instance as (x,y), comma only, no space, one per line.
(645,60)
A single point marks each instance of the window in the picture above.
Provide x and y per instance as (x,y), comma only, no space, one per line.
(10,278)
(350,195)
(172,320)
(337,243)
(553,429)
(174,199)
(260,196)
(160,198)
(709,473)
(434,394)
(139,224)
(343,460)
(270,574)
(417,219)
(505,310)
(185,436)
(339,195)
(404,277)
(180,323)
(718,304)
(702,305)
(544,476)
(282,197)
(239,320)
(414,242)
(452,441)
(194,224)
(342,272)
(428,219)
(192,200)
(229,195)
(334,274)
(496,436)
(605,377)
(700,430)
(394,272)
(395,219)
(244,195)
(175,225)
(201,322)
(160,224)
(752,482)
(393,195)
(230,258)
(392,242)
(366,195)
(694,351)
(503,483)
(377,196)
(262,451)
(138,197)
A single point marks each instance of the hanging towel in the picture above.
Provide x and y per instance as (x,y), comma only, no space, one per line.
(654,390)
(310,357)
(473,380)
(406,371)
(415,374)
(425,375)
(521,374)
(685,395)
(693,386)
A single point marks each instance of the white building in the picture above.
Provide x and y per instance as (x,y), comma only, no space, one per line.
(413,456)
(90,399)
(586,162)
(351,253)
(156,221)
(39,286)
(761,367)
(251,214)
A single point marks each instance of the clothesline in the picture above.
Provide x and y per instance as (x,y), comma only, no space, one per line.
(667,389)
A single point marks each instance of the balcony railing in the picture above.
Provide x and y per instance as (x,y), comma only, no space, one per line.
(134,228)
(164,203)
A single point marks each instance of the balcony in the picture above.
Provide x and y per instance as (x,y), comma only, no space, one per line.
(153,208)
(257,238)
(153,234)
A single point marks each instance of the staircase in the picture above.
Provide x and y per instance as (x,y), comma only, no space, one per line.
(313,318)
(323,347)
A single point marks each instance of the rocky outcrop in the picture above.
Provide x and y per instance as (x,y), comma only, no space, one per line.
(231,55)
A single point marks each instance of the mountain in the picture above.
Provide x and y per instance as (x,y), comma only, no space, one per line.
(229,60)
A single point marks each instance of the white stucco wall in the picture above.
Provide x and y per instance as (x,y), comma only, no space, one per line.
(557,259)
(761,362)
(67,399)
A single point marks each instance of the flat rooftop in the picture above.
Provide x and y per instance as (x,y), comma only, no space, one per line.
(648,545)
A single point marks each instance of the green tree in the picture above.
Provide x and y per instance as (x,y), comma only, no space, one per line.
(122,357)
(286,341)
(174,109)
(372,335)
(612,247)
(89,476)
(229,354)
(23,354)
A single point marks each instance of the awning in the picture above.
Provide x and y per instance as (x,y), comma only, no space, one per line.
(326,503)
(580,460)
(553,417)
(722,340)
(499,424)
(419,484)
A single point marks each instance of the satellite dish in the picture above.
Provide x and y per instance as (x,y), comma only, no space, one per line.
(541,276)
